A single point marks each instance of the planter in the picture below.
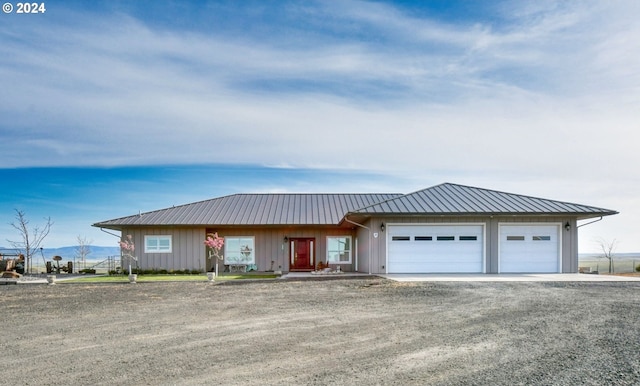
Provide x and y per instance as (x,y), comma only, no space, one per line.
(211,276)
(132,278)
(51,279)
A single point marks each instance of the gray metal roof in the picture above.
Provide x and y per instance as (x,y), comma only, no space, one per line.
(461,200)
(256,209)
(331,209)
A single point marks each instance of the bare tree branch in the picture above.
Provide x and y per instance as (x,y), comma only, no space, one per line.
(31,240)
(608,247)
(83,249)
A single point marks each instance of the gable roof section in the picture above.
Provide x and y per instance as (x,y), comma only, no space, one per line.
(256,209)
(456,199)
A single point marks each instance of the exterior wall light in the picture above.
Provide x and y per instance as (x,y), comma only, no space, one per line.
(286,239)
(567,226)
(382,227)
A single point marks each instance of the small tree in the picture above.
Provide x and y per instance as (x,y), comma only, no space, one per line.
(83,249)
(608,247)
(214,244)
(127,249)
(31,238)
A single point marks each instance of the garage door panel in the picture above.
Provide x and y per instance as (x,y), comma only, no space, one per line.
(529,248)
(435,248)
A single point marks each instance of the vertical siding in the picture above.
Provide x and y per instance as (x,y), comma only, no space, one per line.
(189,251)
(270,245)
(568,247)
(364,252)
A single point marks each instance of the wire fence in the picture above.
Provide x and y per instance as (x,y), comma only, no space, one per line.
(101,266)
(602,265)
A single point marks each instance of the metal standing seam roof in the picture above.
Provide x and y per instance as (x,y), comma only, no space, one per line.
(331,209)
(256,209)
(450,199)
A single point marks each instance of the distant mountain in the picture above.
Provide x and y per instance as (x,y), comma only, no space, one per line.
(97,252)
(618,256)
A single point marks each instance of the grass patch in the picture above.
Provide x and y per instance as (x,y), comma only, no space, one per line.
(240,276)
(160,278)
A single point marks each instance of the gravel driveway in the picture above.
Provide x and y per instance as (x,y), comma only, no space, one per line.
(348,331)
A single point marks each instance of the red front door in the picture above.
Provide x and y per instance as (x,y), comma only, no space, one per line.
(302,254)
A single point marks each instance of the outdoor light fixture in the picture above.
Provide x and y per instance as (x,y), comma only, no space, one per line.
(567,226)
(382,227)
(286,239)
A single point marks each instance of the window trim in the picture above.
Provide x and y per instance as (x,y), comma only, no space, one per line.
(158,250)
(350,251)
(253,251)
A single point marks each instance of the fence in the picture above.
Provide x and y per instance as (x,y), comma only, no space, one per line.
(602,265)
(111,263)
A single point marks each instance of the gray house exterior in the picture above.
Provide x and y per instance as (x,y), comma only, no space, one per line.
(446,228)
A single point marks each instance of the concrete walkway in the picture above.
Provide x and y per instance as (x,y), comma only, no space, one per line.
(509,277)
(471,276)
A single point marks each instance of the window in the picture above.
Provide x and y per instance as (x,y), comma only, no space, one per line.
(423,238)
(239,250)
(446,238)
(541,238)
(339,250)
(400,238)
(468,238)
(157,244)
(515,238)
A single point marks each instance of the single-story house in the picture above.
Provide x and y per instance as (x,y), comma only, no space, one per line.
(447,228)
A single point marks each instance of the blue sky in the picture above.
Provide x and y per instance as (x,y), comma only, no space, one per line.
(111,107)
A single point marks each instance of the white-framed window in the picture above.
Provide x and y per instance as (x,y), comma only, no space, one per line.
(158,244)
(339,249)
(239,250)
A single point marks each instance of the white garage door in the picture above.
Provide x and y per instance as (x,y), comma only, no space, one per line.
(435,249)
(529,248)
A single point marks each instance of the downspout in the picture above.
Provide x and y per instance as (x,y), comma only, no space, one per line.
(367,228)
(591,222)
(109,233)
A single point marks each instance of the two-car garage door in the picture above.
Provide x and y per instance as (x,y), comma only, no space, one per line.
(523,248)
(435,248)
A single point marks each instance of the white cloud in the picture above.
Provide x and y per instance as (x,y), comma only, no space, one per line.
(546,96)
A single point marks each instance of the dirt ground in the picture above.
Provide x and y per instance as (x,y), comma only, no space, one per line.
(349,331)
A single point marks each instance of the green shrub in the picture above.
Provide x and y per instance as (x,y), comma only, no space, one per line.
(638,268)
(88,270)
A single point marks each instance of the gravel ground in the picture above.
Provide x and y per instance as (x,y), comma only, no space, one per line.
(348,331)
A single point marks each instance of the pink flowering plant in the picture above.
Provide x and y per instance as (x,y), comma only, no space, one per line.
(214,243)
(127,249)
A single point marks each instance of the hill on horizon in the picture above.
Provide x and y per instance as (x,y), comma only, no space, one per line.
(97,252)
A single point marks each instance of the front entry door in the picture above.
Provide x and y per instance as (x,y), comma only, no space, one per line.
(302,254)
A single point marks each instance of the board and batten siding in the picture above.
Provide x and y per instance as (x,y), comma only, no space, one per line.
(189,252)
(377,257)
(270,245)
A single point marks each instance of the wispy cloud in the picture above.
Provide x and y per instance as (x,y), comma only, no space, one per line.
(366,86)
